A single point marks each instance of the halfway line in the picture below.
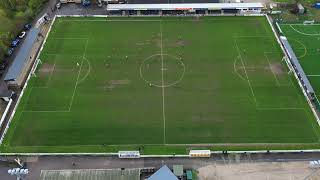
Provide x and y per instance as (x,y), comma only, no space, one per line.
(162,79)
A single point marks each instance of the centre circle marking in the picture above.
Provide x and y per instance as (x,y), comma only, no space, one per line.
(163,69)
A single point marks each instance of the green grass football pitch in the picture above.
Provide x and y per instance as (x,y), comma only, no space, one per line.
(305,40)
(125,82)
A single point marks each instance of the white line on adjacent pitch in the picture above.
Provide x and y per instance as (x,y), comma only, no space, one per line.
(313,75)
(303,33)
(162,79)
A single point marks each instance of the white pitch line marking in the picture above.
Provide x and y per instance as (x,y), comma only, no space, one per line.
(313,75)
(235,69)
(76,84)
(49,79)
(51,73)
(245,71)
(300,24)
(88,72)
(303,33)
(162,81)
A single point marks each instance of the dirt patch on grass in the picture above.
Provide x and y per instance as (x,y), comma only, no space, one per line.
(119,82)
(46,69)
(140,43)
(199,118)
(196,19)
(254,68)
(109,85)
(277,68)
(157,42)
(180,43)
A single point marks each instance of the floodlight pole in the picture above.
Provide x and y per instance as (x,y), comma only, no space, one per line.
(20,173)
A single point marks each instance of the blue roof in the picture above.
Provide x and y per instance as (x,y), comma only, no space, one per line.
(164,173)
(22,56)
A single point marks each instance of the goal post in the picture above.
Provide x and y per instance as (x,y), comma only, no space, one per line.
(308,22)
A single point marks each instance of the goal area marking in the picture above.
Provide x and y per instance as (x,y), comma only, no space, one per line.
(290,83)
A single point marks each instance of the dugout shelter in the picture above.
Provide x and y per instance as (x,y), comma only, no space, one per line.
(186,9)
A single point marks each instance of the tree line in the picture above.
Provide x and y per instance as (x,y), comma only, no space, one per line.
(13,15)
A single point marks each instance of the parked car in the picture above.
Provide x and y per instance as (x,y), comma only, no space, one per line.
(15,42)
(10,52)
(27,26)
(22,34)
(86,3)
(58,5)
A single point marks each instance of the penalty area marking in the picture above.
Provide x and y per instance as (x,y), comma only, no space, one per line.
(235,68)
(270,66)
(51,73)
(88,72)
(74,90)
(238,49)
(49,79)
(306,34)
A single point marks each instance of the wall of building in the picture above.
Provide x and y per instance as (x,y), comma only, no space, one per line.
(170,1)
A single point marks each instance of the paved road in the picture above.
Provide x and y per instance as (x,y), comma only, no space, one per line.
(36,164)
(170,1)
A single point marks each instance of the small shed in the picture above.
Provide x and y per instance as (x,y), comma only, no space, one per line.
(5,93)
(189,175)
(164,173)
(300,8)
(317,5)
(178,170)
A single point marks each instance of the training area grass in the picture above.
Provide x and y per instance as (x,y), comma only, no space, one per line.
(305,40)
(163,84)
